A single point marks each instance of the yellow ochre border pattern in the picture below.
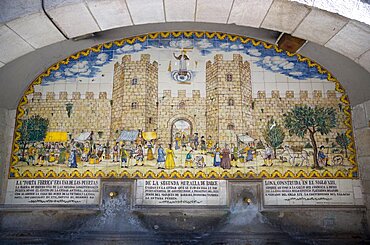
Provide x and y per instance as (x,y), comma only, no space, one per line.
(352,173)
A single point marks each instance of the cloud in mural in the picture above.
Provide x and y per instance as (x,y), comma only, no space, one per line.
(204,44)
(101,59)
(80,68)
(296,73)
(277,63)
(225,45)
(58,74)
(254,52)
(237,47)
(183,43)
(129,48)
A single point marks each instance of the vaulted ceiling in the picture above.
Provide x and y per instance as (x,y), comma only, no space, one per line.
(28,26)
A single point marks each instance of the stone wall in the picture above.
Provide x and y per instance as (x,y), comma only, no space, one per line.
(361,127)
(265,108)
(135,92)
(88,114)
(173,108)
(229,96)
(7,122)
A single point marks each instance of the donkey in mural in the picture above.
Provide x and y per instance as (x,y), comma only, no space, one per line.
(295,156)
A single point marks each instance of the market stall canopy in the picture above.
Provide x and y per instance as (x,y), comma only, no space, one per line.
(83,136)
(56,137)
(128,135)
(149,135)
(245,138)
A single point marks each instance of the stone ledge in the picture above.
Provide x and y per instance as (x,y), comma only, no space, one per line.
(23,208)
(323,208)
(176,210)
(267,237)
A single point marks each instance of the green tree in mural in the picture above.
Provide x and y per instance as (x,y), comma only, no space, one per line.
(274,134)
(304,119)
(33,130)
(343,141)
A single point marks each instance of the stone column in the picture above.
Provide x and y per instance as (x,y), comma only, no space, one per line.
(361,127)
(7,120)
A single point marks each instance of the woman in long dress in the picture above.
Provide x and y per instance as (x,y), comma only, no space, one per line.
(225,162)
(150,155)
(170,158)
(217,157)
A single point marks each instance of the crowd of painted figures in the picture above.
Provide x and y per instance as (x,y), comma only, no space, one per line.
(139,152)
(191,150)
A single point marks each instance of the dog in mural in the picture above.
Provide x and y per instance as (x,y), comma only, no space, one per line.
(337,160)
(200,161)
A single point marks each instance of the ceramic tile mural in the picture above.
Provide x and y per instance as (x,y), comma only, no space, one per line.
(184,105)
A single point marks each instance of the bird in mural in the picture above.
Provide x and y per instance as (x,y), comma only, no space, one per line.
(273,125)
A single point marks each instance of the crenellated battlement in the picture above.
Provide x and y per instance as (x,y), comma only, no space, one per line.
(144,59)
(180,94)
(64,95)
(219,58)
(303,94)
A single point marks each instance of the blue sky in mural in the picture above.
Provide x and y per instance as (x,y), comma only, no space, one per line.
(85,66)
(269,59)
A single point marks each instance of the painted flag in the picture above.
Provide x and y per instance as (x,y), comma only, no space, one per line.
(169,67)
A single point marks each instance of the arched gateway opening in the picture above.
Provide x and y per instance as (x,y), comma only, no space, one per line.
(181,131)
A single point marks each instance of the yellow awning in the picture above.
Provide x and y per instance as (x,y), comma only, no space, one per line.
(149,135)
(56,137)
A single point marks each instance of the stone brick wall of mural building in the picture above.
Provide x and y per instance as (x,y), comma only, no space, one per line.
(229,94)
(73,114)
(265,108)
(135,92)
(174,107)
(87,113)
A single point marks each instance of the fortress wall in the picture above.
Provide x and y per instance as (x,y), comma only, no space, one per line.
(264,108)
(173,107)
(144,94)
(92,113)
(228,80)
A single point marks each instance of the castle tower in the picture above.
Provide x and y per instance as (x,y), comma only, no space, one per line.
(229,98)
(135,94)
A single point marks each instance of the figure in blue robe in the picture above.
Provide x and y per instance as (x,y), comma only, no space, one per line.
(161,159)
(73,158)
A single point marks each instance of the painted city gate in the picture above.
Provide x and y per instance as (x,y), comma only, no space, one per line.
(184,105)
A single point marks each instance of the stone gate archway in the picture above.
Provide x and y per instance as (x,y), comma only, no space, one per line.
(180,117)
(181,127)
